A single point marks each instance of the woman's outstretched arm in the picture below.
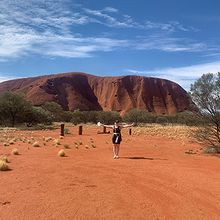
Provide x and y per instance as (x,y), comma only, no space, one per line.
(128,125)
(107,126)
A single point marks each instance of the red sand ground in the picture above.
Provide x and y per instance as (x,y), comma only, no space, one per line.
(153,179)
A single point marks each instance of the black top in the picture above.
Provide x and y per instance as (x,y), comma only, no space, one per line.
(117,130)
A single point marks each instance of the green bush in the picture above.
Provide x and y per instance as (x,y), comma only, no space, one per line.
(56,111)
(39,115)
(14,108)
(108,117)
(94,116)
(78,117)
(91,116)
(143,116)
(163,120)
(139,116)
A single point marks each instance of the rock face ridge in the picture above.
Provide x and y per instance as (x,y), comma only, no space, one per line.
(88,92)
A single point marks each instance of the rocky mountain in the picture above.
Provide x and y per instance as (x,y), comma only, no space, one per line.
(88,92)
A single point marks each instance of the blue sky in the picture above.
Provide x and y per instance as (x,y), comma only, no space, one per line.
(176,40)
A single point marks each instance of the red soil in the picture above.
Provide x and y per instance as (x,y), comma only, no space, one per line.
(153,179)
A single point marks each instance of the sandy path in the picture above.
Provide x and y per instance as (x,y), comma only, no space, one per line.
(153,179)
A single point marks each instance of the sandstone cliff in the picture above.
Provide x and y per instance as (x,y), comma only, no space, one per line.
(88,92)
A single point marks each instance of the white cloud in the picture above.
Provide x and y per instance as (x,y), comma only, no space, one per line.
(46,28)
(126,21)
(110,9)
(184,76)
(80,47)
(5,78)
(169,44)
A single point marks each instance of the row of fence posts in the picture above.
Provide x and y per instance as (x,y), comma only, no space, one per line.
(80,130)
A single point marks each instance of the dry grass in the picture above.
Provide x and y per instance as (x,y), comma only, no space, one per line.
(15,151)
(170,131)
(36,144)
(93,145)
(3,166)
(47,139)
(11,142)
(57,142)
(66,146)
(4,158)
(61,153)
(87,146)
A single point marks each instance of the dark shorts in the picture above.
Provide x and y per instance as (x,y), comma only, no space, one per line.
(116,139)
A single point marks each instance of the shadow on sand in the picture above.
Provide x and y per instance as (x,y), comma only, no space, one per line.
(142,158)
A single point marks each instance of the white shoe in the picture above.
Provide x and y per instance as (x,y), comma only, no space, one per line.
(115,157)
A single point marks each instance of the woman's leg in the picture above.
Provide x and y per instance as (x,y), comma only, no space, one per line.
(114,150)
(117,150)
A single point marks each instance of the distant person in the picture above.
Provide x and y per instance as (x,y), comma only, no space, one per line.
(116,137)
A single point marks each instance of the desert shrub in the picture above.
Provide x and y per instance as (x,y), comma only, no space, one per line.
(15,151)
(139,116)
(108,117)
(4,158)
(78,117)
(93,145)
(14,107)
(6,144)
(212,150)
(91,116)
(61,153)
(143,116)
(67,116)
(57,142)
(56,111)
(205,92)
(11,142)
(66,131)
(187,118)
(47,139)
(39,115)
(66,146)
(163,120)
(36,144)
(3,166)
(94,116)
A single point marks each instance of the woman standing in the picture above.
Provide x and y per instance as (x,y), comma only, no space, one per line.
(116,137)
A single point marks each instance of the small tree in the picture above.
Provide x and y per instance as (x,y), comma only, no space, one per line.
(91,116)
(108,117)
(13,106)
(205,92)
(39,115)
(139,116)
(188,118)
(55,109)
(77,117)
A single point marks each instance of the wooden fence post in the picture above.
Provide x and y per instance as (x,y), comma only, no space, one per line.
(62,129)
(80,129)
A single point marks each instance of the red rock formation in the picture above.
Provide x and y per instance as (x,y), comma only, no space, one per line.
(87,92)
